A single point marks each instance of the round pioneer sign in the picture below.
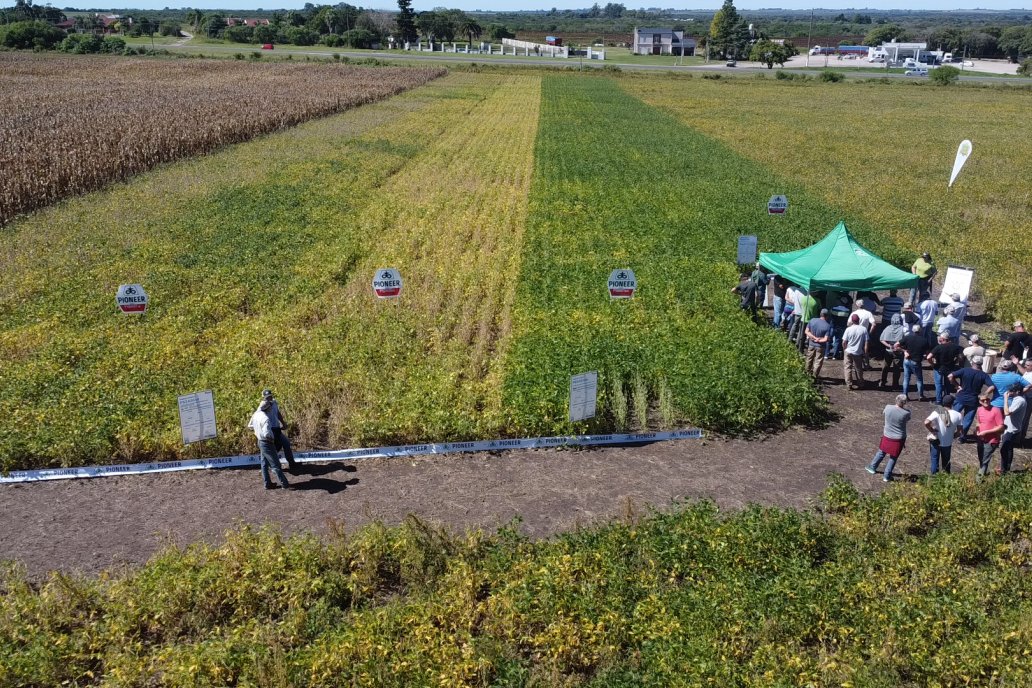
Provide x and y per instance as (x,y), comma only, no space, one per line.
(387,283)
(622,284)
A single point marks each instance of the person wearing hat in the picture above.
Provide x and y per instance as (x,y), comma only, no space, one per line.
(969,383)
(894,436)
(278,425)
(1019,344)
(891,336)
(925,270)
(958,307)
(854,339)
(267,445)
(943,426)
(1014,410)
(818,332)
(974,348)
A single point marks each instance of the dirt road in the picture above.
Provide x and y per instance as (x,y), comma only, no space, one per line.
(88,525)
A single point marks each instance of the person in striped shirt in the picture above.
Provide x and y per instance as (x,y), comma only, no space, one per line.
(891,305)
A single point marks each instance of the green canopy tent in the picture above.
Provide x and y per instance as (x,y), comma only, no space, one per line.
(837,262)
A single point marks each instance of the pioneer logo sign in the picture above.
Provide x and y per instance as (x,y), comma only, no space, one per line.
(622,284)
(387,283)
(777,205)
(131,298)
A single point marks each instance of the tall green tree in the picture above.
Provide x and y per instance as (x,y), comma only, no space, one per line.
(885,33)
(470,28)
(406,21)
(770,53)
(728,31)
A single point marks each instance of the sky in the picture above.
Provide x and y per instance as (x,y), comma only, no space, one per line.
(510,5)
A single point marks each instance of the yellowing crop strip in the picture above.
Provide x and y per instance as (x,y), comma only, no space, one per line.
(451,221)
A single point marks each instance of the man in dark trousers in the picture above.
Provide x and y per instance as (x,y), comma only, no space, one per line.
(915,348)
(747,290)
(945,358)
(277,424)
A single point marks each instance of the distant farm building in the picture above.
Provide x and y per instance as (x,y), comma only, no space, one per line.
(661,42)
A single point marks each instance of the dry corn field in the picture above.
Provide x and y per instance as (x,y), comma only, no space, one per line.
(62,134)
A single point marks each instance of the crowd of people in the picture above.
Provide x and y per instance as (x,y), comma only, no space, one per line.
(904,337)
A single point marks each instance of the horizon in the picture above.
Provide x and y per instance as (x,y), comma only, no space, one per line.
(960,6)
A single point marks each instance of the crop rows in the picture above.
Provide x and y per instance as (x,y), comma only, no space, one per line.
(926,585)
(69,125)
(258,261)
(883,153)
(620,184)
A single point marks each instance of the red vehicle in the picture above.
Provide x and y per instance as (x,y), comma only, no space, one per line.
(267,46)
(554,40)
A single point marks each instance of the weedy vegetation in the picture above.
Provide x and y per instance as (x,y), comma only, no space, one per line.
(928,584)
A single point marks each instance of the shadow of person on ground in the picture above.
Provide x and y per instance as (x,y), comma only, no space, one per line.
(328,485)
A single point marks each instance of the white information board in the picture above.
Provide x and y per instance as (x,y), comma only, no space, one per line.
(197,416)
(583,396)
(747,244)
(957,281)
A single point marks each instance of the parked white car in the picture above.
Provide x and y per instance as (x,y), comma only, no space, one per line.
(916,72)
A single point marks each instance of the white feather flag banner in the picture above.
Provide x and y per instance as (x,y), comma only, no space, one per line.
(962,155)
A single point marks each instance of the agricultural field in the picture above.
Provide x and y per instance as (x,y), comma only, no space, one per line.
(926,585)
(505,198)
(883,153)
(101,119)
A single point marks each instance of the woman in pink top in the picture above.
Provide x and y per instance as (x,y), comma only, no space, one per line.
(990,427)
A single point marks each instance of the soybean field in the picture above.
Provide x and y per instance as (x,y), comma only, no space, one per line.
(504,199)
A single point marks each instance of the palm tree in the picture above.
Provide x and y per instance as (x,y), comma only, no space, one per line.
(471,28)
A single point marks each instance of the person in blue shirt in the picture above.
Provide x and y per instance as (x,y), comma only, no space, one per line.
(969,382)
(1004,379)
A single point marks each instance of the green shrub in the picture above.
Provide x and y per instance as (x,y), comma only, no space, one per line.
(113,45)
(830,76)
(30,35)
(82,44)
(944,75)
(1025,68)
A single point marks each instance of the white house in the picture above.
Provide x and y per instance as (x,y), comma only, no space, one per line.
(661,42)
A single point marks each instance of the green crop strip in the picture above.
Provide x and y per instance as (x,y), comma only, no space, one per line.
(620,184)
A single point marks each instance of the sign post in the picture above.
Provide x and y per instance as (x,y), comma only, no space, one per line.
(747,245)
(777,205)
(583,396)
(132,299)
(387,283)
(622,284)
(197,416)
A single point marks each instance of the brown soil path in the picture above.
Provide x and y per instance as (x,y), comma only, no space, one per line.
(88,525)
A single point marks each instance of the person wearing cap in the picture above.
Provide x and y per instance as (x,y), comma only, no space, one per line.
(958,307)
(894,436)
(948,324)
(990,428)
(1006,376)
(891,336)
(747,290)
(943,426)
(818,332)
(278,426)
(969,384)
(1014,410)
(267,445)
(925,270)
(855,341)
(1019,344)
(974,348)
(910,318)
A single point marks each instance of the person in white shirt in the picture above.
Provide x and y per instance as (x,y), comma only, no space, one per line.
(866,317)
(974,348)
(267,445)
(943,426)
(1014,410)
(928,309)
(855,341)
(278,424)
